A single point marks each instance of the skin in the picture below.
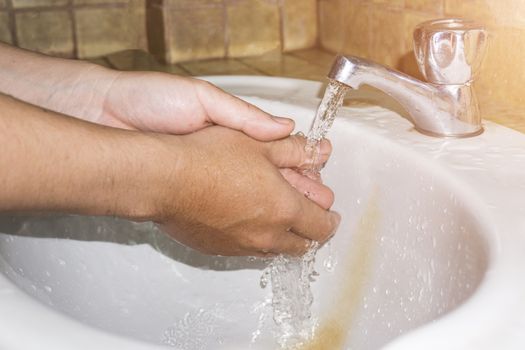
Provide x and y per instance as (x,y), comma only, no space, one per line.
(149,146)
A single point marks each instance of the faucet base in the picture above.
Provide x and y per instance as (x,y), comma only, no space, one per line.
(450,136)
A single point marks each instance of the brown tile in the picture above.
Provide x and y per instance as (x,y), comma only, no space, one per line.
(252,27)
(502,73)
(97,2)
(192,4)
(195,34)
(511,117)
(390,3)
(490,12)
(116,29)
(155,31)
(331,24)
(139,60)
(410,21)
(432,6)
(219,67)
(132,60)
(472,9)
(315,56)
(407,62)
(101,61)
(357,28)
(386,40)
(299,24)
(48,32)
(5,33)
(39,3)
(286,65)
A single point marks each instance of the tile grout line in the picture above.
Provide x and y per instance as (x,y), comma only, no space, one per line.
(281,24)
(73,19)
(182,68)
(64,7)
(12,21)
(254,68)
(225,28)
(318,24)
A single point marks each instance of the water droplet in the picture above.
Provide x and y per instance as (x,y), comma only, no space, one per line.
(48,289)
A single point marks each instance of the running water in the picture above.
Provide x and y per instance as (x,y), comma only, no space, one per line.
(290,276)
(324,118)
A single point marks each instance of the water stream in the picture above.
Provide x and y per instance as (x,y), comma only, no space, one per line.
(290,277)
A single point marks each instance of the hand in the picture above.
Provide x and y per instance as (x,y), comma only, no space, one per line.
(167,103)
(148,101)
(233,200)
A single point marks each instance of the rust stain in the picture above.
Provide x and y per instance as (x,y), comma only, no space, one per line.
(332,334)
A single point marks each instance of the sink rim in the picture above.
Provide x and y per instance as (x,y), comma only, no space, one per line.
(501,223)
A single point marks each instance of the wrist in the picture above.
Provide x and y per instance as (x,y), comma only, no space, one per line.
(71,87)
(148,169)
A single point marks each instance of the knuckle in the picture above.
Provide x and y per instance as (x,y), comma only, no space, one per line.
(298,145)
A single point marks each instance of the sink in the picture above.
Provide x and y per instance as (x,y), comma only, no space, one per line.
(429,253)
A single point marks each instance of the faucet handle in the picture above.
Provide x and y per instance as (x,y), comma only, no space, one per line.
(449,51)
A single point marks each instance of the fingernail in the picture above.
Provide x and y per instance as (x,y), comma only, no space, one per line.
(283,121)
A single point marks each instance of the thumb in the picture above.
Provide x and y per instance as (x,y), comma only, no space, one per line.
(291,152)
(232,112)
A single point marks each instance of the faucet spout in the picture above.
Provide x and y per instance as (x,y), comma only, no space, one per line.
(449,110)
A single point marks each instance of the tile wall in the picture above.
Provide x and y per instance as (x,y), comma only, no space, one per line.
(203,29)
(174,30)
(74,28)
(382,30)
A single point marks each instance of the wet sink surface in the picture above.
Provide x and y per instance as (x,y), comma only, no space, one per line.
(416,241)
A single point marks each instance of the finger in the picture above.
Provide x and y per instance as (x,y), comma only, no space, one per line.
(232,112)
(311,189)
(291,152)
(315,223)
(290,244)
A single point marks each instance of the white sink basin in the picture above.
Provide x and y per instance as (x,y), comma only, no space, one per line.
(429,255)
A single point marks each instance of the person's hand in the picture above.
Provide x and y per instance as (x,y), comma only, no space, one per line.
(171,104)
(161,102)
(232,199)
(148,101)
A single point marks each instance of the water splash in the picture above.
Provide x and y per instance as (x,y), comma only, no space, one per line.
(291,277)
(292,297)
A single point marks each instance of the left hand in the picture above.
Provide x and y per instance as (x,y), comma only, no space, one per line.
(171,104)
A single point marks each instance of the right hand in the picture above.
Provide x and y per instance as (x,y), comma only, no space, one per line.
(229,196)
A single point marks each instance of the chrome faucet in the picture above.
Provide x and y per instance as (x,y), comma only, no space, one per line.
(449,53)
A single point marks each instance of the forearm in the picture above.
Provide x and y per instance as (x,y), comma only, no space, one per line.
(53,162)
(62,85)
